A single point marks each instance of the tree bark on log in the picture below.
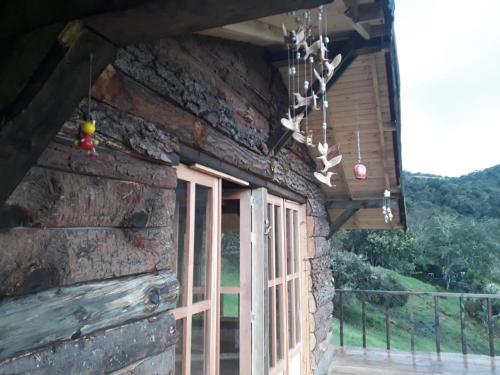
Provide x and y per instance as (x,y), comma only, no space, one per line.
(100,352)
(110,163)
(52,198)
(38,259)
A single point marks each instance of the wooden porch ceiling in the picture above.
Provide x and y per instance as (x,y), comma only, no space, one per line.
(361,94)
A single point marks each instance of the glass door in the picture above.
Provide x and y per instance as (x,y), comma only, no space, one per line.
(284,287)
(197,202)
(235,284)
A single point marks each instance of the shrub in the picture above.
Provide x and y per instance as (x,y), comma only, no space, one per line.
(351,271)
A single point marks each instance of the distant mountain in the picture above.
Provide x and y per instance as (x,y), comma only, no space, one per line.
(476,195)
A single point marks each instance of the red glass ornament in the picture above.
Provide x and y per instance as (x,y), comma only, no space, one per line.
(360,171)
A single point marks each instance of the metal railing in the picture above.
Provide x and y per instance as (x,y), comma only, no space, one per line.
(364,295)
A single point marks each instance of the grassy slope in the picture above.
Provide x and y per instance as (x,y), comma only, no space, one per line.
(477,339)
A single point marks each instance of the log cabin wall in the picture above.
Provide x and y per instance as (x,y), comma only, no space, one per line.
(79,219)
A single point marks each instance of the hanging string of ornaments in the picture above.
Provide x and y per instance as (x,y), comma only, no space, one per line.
(87,129)
(313,55)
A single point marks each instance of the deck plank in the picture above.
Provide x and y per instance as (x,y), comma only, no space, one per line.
(357,361)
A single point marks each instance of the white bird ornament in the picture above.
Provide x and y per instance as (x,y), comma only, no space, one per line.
(294,37)
(331,66)
(330,163)
(302,101)
(324,178)
(317,48)
(292,123)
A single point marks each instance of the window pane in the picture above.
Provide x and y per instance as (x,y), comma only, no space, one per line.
(181,214)
(198,344)
(229,335)
(272,309)
(296,240)
(279,322)
(230,243)
(201,242)
(179,325)
(291,342)
(289,241)
(297,310)
(277,235)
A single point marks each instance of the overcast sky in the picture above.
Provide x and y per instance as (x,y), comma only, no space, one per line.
(449,59)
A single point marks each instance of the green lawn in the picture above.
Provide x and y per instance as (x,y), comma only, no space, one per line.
(423,307)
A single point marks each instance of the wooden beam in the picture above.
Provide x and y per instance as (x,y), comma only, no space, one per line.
(341,220)
(189,155)
(159,18)
(380,122)
(130,21)
(365,12)
(358,204)
(28,131)
(254,31)
(53,315)
(352,16)
(101,352)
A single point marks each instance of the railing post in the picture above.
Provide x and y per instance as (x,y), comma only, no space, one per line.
(462,326)
(363,319)
(341,317)
(436,324)
(387,322)
(412,328)
(491,334)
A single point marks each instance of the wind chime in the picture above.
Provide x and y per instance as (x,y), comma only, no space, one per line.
(87,129)
(386,207)
(313,55)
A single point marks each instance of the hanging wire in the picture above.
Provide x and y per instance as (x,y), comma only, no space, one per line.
(91,58)
(357,130)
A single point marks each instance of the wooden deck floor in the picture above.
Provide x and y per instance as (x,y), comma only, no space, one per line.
(357,361)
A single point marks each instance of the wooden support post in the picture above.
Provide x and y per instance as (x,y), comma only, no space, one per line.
(341,318)
(363,320)
(491,332)
(462,326)
(412,329)
(67,313)
(341,220)
(436,324)
(387,323)
(259,281)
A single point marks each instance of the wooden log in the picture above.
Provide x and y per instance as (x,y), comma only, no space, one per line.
(201,93)
(100,352)
(38,259)
(119,130)
(66,313)
(110,163)
(163,363)
(52,198)
(125,94)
